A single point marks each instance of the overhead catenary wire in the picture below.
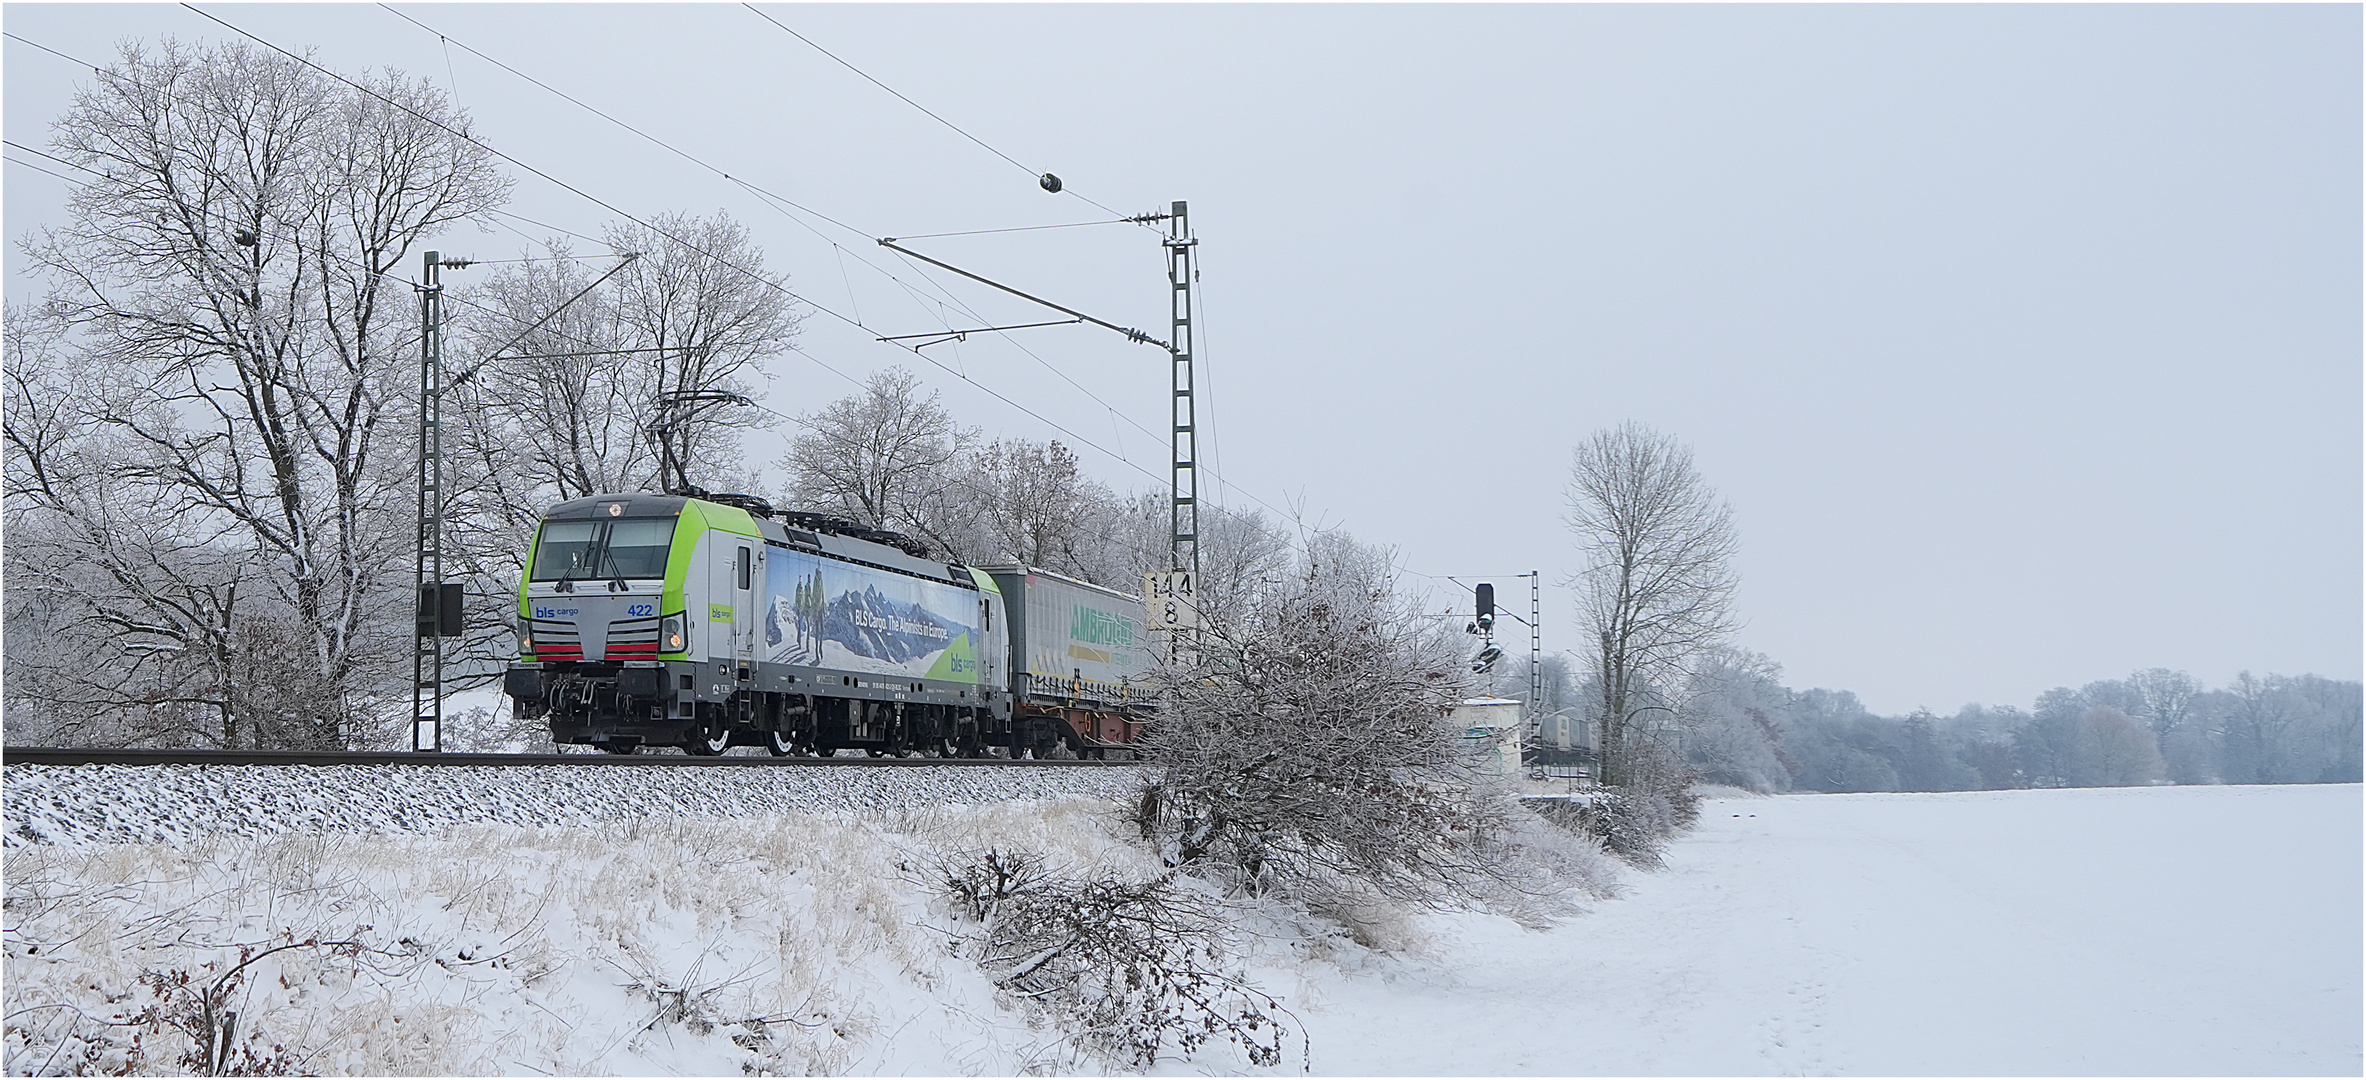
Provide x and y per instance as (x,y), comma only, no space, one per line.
(595,200)
(594,350)
(571,99)
(553,228)
(686,244)
(39,169)
(931,114)
(778,201)
(537,259)
(1015,228)
(36,168)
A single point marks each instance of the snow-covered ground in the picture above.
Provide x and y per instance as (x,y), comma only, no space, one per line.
(2161,931)
(2164,930)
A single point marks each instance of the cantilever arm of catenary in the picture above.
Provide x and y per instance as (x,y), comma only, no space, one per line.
(1131,334)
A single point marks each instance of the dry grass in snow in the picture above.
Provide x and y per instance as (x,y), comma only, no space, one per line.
(795,944)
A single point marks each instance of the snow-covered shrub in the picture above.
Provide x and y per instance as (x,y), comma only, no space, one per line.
(1128,970)
(1634,827)
(1304,745)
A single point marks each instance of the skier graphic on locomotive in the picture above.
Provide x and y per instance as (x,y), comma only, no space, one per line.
(711,622)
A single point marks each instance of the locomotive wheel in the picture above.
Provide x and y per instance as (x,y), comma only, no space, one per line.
(710,743)
(612,748)
(780,743)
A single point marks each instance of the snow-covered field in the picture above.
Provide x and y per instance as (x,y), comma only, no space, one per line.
(2164,930)
(2097,931)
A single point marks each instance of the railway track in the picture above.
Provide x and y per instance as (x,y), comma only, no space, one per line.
(58,755)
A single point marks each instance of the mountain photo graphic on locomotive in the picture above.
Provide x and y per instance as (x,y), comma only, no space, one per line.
(713,621)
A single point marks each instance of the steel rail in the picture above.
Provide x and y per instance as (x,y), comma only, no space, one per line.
(67,755)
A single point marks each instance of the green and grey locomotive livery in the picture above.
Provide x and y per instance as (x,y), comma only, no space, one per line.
(667,620)
(663,620)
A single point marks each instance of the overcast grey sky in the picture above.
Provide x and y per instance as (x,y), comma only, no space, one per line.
(2024,339)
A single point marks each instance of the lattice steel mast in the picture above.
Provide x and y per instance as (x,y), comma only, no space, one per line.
(1183,479)
(429,594)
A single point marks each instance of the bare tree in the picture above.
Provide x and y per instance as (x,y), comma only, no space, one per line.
(2052,745)
(2165,699)
(243,350)
(629,373)
(698,298)
(2122,753)
(560,414)
(2258,724)
(885,456)
(1032,503)
(1657,590)
(608,372)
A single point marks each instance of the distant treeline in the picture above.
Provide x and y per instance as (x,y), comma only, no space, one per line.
(1739,725)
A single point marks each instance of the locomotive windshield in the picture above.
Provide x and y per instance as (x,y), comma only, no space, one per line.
(623,548)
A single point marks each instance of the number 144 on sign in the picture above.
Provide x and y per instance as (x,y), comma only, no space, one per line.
(1170,600)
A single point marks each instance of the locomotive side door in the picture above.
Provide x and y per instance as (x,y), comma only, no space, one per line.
(748,568)
(741,564)
(731,601)
(993,650)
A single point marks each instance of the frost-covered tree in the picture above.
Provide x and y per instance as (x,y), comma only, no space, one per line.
(2258,718)
(585,381)
(2120,752)
(1657,589)
(1928,761)
(2052,745)
(886,456)
(1028,502)
(1839,745)
(2164,699)
(1727,735)
(699,299)
(238,378)
(2337,708)
(609,370)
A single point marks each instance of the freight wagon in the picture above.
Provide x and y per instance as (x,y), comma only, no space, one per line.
(1079,654)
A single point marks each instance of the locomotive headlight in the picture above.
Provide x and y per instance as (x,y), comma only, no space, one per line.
(669,631)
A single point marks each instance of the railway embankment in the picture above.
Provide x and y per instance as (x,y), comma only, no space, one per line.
(169,803)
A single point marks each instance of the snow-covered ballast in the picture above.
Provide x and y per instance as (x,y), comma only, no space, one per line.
(712,622)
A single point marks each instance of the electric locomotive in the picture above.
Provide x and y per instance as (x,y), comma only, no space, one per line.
(713,621)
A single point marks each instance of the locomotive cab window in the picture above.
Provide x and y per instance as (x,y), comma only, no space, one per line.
(625,548)
(742,568)
(565,550)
